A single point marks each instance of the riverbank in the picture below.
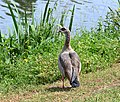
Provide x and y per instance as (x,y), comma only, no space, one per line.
(29,56)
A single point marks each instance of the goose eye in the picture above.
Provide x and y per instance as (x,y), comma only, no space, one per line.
(63,29)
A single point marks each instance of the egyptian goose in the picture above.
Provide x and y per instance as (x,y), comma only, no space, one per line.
(69,62)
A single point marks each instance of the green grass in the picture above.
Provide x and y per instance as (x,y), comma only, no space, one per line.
(110,94)
(41,65)
(29,56)
(97,86)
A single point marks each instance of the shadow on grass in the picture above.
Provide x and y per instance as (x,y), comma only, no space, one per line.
(58,89)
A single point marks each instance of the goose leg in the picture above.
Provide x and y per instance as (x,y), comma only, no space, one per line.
(63,82)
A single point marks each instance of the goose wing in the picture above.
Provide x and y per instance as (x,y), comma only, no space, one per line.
(75,60)
(65,65)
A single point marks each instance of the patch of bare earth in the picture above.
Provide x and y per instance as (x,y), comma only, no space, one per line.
(91,83)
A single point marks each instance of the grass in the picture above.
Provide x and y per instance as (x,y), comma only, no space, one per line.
(29,56)
(41,66)
(97,86)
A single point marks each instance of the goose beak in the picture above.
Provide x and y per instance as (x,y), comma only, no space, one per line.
(59,27)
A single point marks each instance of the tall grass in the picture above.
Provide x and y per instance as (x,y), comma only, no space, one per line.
(45,11)
(0,37)
(112,22)
(27,35)
(13,17)
(72,16)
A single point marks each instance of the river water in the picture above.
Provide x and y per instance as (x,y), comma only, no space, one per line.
(87,12)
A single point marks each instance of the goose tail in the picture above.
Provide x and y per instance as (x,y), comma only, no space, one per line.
(74,80)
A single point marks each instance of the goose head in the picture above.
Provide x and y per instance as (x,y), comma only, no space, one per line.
(64,30)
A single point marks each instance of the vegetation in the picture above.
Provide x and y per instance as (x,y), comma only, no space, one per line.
(97,86)
(29,55)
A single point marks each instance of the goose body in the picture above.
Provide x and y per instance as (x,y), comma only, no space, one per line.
(69,62)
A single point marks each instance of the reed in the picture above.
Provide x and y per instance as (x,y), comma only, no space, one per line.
(45,11)
(119,3)
(13,17)
(112,21)
(72,16)
(62,18)
(0,36)
(48,14)
(10,45)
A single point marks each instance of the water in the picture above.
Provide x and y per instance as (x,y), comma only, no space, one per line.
(87,12)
